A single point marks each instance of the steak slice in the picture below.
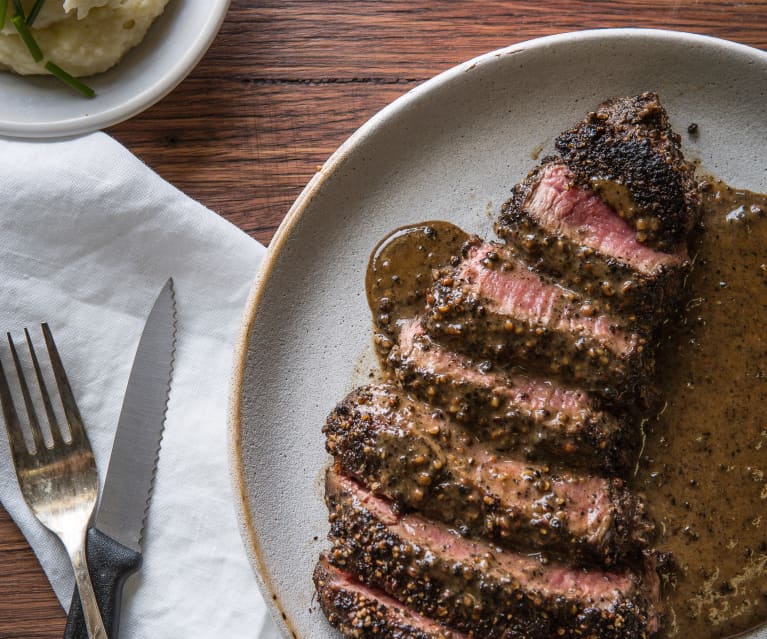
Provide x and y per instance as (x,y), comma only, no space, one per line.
(361,612)
(427,463)
(492,306)
(478,588)
(568,232)
(540,419)
(627,152)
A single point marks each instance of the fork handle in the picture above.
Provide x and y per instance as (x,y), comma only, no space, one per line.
(110,564)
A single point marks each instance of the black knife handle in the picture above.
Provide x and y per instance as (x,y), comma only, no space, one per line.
(110,563)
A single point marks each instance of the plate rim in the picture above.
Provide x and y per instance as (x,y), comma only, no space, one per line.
(295,212)
(148,96)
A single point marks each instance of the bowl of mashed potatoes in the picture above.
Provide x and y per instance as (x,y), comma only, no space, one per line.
(130,52)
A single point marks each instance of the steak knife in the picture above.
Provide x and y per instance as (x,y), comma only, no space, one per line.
(114,539)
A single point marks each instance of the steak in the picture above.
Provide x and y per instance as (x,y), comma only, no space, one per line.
(479,492)
(425,462)
(627,152)
(567,231)
(361,612)
(493,306)
(540,419)
(476,587)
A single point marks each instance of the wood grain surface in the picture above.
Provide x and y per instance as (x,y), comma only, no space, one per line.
(282,86)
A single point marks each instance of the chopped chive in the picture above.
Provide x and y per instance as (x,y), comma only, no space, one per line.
(68,79)
(33,13)
(22,25)
(27,36)
(19,8)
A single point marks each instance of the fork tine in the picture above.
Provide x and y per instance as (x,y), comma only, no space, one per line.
(12,426)
(53,423)
(71,412)
(34,425)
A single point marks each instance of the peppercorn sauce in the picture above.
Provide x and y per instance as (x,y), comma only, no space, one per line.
(400,270)
(703,468)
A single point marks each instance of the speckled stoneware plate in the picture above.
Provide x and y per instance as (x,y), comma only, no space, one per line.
(450,149)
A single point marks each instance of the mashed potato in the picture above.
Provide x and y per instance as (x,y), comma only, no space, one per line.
(82,36)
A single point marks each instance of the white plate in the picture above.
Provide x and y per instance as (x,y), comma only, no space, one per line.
(450,149)
(42,107)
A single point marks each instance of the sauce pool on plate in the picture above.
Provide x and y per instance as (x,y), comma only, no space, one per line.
(704,470)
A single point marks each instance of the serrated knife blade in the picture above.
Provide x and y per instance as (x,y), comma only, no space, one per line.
(136,446)
(114,540)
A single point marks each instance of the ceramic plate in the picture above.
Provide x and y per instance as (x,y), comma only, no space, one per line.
(42,107)
(450,149)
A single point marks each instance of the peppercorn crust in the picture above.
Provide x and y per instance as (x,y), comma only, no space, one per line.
(536,419)
(627,151)
(643,296)
(477,588)
(361,613)
(427,463)
(493,306)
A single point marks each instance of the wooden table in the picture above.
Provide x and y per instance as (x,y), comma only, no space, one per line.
(282,86)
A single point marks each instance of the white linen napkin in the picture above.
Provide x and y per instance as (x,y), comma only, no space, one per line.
(88,236)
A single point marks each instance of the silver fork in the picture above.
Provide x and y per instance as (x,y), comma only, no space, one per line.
(60,484)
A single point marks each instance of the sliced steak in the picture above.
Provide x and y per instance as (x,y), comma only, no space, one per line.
(361,612)
(627,152)
(493,306)
(478,588)
(570,233)
(541,419)
(425,462)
